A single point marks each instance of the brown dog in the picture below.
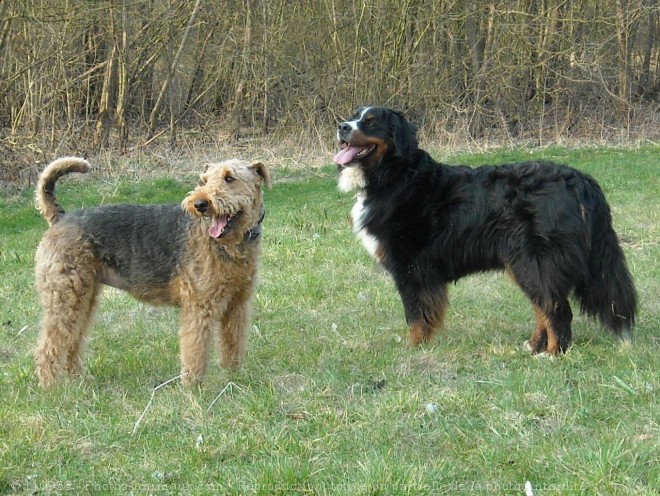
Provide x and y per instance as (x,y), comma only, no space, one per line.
(201,256)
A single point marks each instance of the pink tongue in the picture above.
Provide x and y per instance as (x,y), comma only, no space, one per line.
(346,155)
(218,225)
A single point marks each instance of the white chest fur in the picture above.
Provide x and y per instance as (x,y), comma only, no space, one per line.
(351,179)
(359,213)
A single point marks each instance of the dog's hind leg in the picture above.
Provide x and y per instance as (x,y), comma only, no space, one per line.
(553,333)
(538,342)
(558,326)
(60,344)
(553,329)
(51,352)
(68,295)
(74,363)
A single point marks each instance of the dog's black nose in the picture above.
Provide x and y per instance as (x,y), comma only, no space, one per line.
(345,127)
(201,206)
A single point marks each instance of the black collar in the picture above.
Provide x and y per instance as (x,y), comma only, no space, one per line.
(255,232)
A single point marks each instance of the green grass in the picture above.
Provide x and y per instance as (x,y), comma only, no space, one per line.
(330,400)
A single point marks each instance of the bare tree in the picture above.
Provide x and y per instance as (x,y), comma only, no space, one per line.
(170,74)
(71,72)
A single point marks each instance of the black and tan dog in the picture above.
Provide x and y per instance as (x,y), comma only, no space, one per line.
(201,256)
(548,226)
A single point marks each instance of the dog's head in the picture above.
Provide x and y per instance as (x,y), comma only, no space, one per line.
(372,134)
(229,198)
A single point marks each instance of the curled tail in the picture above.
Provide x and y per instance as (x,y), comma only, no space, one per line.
(47,203)
(609,292)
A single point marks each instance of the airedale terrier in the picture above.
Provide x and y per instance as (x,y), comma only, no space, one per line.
(200,256)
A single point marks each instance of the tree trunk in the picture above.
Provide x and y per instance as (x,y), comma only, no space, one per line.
(103,120)
(122,90)
(164,91)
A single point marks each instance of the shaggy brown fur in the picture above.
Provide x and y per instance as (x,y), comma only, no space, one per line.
(200,256)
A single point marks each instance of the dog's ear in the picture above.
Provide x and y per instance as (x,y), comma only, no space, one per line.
(203,177)
(260,169)
(404,134)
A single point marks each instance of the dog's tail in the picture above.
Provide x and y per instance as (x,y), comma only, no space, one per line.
(608,293)
(47,203)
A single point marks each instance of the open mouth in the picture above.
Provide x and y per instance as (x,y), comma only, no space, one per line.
(222,225)
(351,153)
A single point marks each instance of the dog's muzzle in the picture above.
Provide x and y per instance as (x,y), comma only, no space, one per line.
(344,131)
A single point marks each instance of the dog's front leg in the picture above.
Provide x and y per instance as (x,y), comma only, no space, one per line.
(197,322)
(424,309)
(232,338)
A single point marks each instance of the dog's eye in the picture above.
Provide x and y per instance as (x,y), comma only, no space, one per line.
(369,123)
(230,179)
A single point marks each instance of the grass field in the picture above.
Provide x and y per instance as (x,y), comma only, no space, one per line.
(330,400)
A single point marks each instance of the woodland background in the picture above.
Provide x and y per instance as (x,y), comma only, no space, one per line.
(79,76)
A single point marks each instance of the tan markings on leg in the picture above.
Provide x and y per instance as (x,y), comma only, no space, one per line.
(543,329)
(539,332)
(418,333)
(553,339)
(434,305)
(553,342)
